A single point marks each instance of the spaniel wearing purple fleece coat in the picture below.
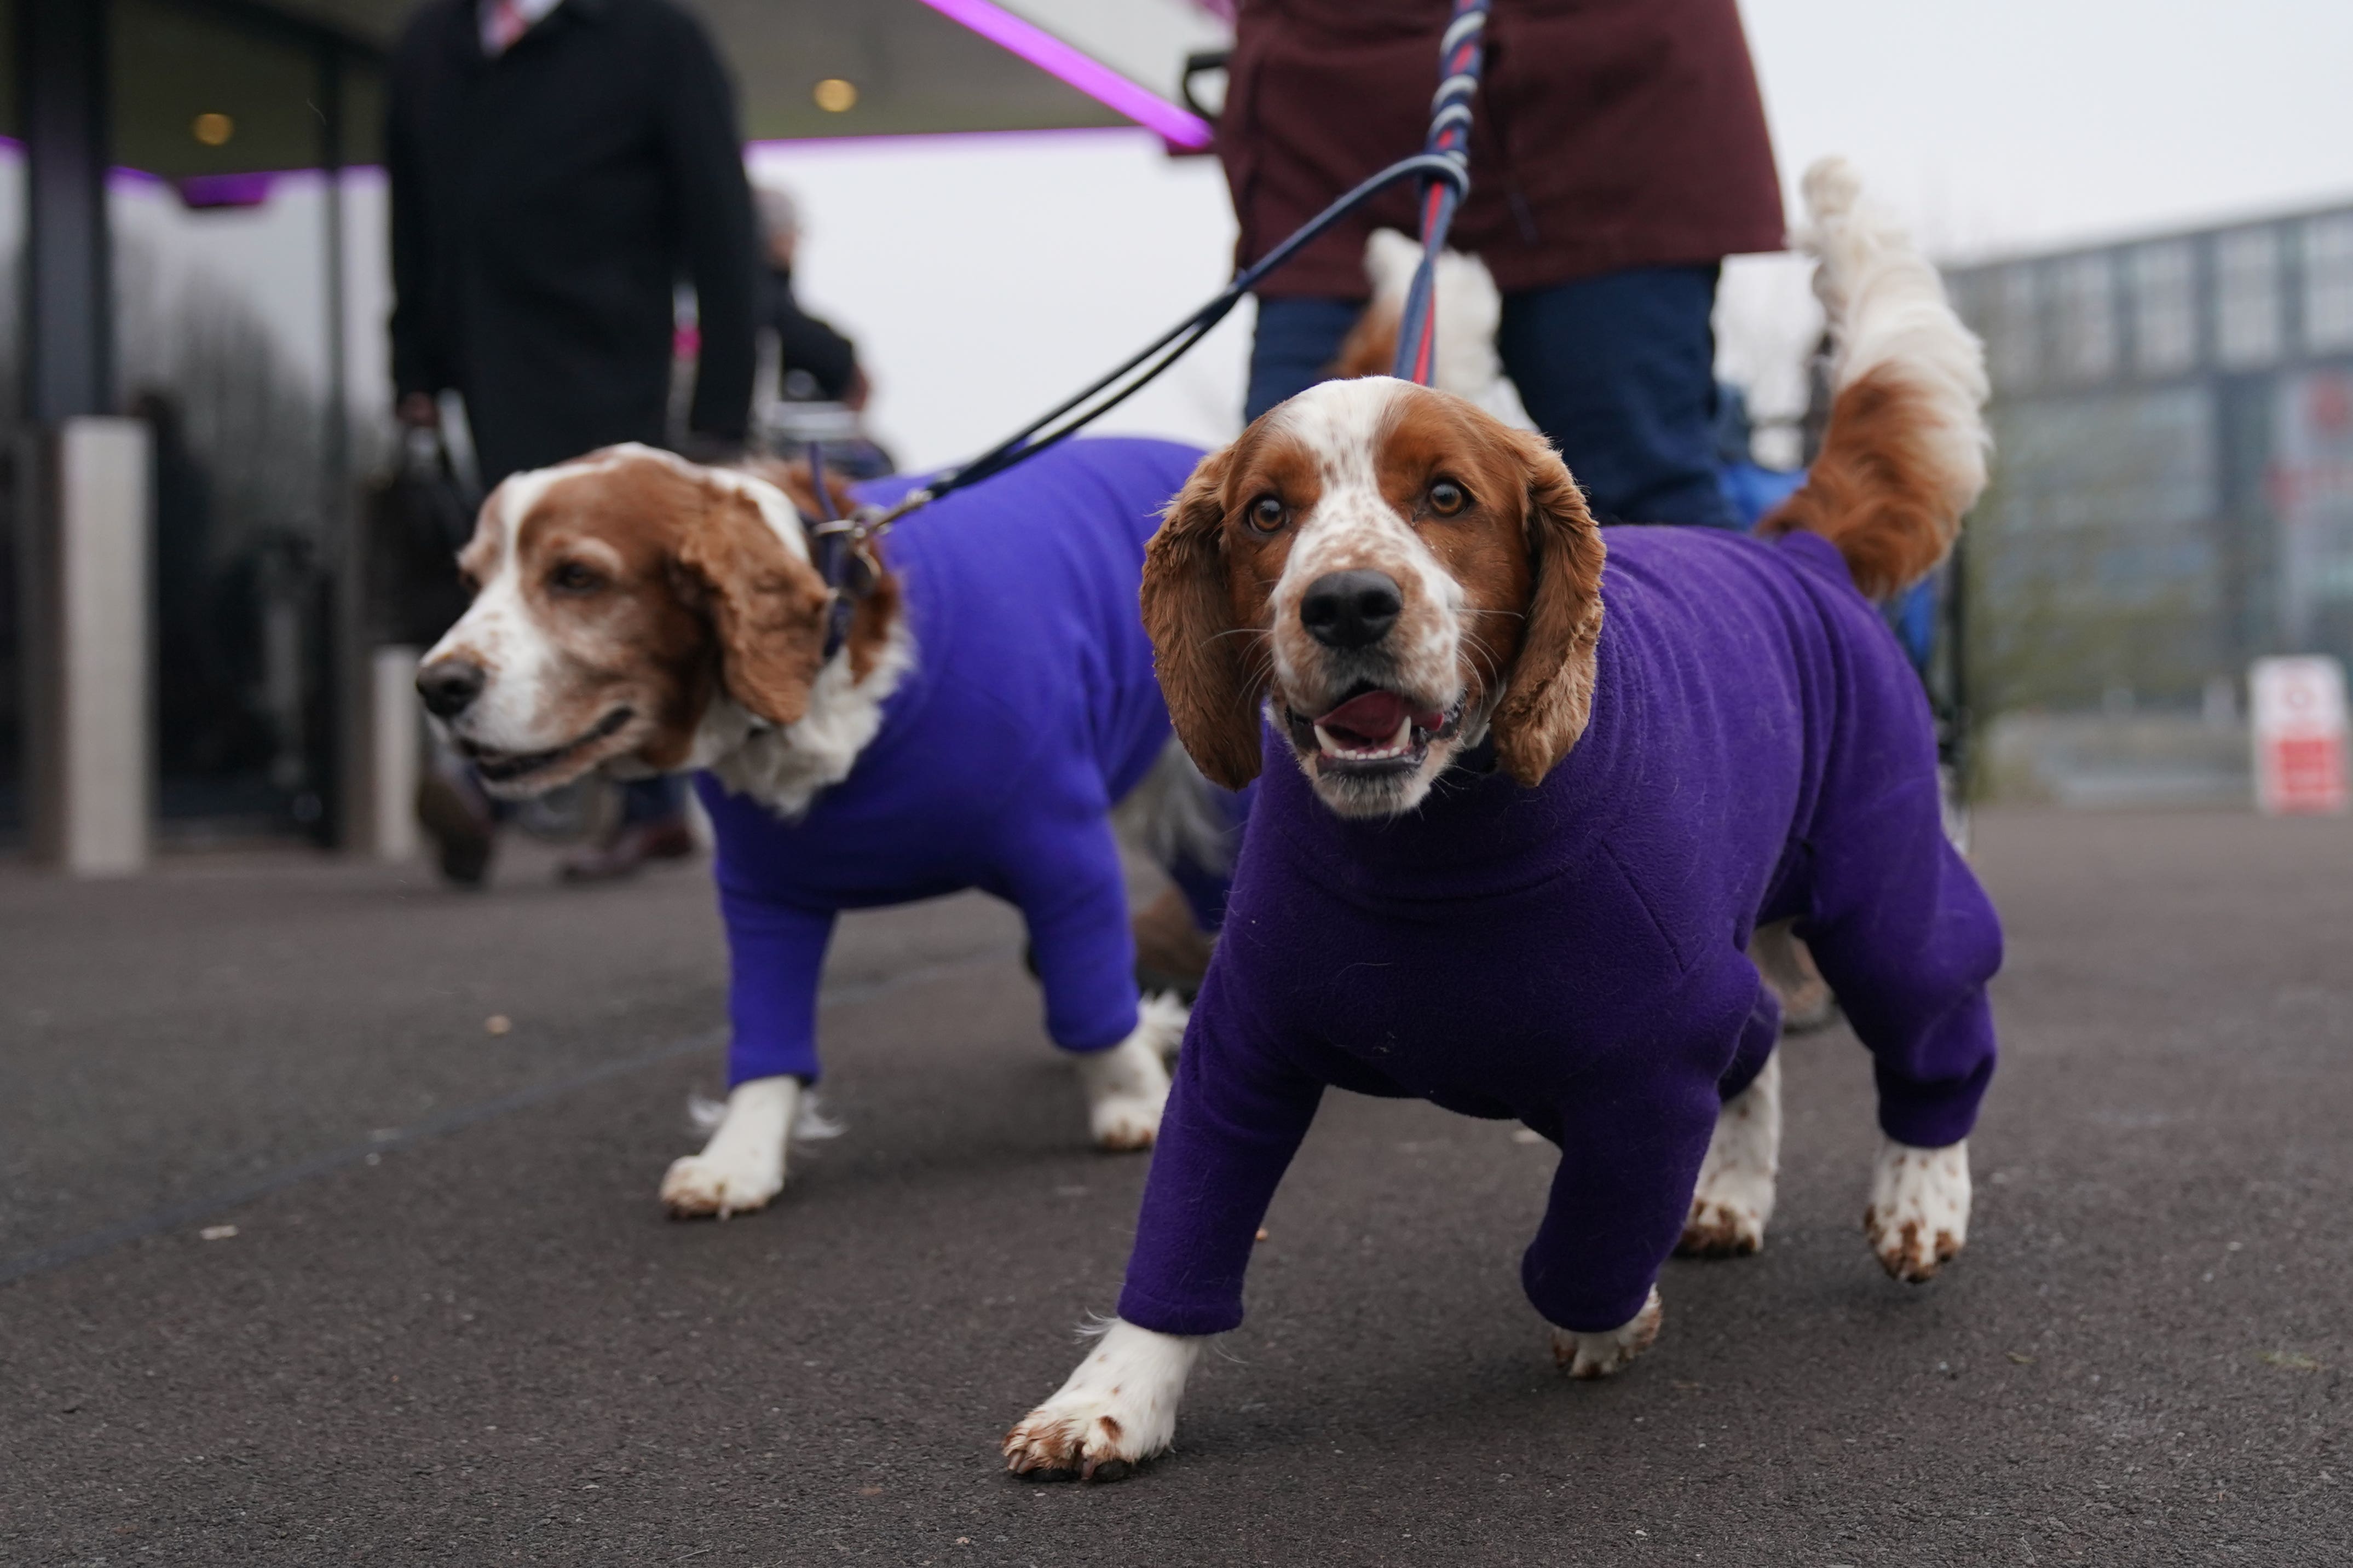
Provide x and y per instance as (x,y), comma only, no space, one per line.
(1524,803)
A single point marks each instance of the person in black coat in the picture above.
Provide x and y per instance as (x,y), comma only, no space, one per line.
(557,168)
(814,362)
(546,199)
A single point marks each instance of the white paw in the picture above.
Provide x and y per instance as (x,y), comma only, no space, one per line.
(1919,1215)
(1728,1222)
(1589,1356)
(1117,1410)
(1734,1197)
(1120,1124)
(697,1185)
(742,1165)
(1098,1436)
(1127,1086)
(1160,1021)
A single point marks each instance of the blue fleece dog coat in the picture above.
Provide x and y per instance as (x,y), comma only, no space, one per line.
(1031,709)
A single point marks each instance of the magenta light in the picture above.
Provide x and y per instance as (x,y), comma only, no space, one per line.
(205,192)
(1089,75)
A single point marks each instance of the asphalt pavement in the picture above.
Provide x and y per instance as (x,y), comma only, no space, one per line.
(451,1325)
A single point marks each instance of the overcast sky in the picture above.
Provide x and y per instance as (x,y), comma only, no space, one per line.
(2003,123)
(988,277)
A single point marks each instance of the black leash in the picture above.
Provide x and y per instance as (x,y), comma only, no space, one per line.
(839,546)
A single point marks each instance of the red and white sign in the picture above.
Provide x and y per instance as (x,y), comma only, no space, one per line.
(2299,729)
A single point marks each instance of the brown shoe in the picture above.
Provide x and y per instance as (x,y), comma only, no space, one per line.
(1806,1000)
(1171,952)
(631,846)
(453,809)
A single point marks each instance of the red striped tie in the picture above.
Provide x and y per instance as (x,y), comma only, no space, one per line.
(504,25)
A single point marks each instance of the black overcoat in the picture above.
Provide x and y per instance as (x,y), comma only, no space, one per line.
(545,204)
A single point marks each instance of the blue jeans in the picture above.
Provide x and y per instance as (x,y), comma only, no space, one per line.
(656,799)
(1619,372)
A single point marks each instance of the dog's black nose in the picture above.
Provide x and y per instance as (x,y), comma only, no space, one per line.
(449,685)
(1351,609)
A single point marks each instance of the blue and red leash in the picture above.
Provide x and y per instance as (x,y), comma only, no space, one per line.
(1461,54)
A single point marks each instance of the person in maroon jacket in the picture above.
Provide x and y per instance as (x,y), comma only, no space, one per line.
(1617,154)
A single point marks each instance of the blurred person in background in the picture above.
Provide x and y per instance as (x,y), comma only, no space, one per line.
(1617,154)
(557,168)
(814,363)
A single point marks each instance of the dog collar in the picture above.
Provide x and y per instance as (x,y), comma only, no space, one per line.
(841,549)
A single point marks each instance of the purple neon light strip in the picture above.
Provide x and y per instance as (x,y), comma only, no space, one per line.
(1089,75)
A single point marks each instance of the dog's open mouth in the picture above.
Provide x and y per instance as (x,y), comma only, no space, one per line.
(505,767)
(1373,731)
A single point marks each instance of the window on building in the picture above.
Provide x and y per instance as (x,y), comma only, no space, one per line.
(2018,332)
(2329,283)
(2247,297)
(2087,323)
(2165,309)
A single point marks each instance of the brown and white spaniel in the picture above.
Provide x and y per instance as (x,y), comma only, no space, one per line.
(636,613)
(1396,581)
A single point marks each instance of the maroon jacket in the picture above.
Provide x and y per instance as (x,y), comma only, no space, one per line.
(1607,134)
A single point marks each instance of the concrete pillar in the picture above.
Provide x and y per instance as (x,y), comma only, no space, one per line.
(83,505)
(85,579)
(395,749)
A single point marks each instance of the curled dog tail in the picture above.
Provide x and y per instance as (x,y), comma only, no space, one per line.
(1904,453)
(1469,309)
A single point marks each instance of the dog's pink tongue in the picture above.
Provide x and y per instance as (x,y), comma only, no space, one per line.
(1373,717)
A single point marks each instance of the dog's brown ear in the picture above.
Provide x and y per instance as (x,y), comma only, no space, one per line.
(1188,610)
(767,605)
(1549,694)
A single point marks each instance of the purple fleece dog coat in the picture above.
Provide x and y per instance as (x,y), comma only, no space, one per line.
(1031,709)
(1572,955)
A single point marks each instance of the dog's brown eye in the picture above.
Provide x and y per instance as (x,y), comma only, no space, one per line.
(571,577)
(1447,498)
(1266,513)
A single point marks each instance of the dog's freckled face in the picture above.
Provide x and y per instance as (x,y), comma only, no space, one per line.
(616,598)
(1395,574)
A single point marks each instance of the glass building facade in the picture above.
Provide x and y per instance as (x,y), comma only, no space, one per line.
(2173,492)
(246,244)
